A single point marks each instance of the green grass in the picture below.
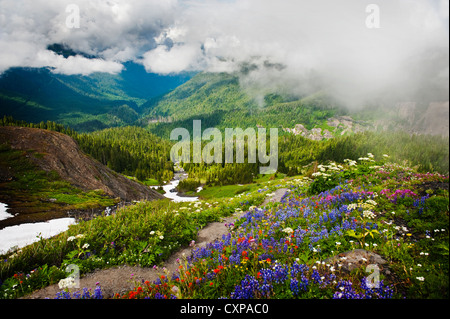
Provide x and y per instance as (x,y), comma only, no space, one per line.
(211,192)
(151,182)
(42,188)
(162,225)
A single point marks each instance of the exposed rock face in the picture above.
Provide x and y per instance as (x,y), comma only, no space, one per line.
(344,123)
(62,154)
(316,134)
(435,121)
(416,118)
(354,259)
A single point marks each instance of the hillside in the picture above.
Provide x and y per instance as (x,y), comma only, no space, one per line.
(41,167)
(86,103)
(220,101)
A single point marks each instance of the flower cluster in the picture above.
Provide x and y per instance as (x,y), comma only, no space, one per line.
(84,294)
(284,250)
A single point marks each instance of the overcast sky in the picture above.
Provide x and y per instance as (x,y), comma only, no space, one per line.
(290,45)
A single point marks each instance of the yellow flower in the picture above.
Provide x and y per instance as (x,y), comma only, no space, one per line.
(409,235)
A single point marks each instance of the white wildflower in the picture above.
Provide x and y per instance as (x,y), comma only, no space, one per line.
(288,230)
(368,214)
(371,202)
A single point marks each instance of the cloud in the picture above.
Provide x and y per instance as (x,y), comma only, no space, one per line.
(112,31)
(176,59)
(318,43)
(292,46)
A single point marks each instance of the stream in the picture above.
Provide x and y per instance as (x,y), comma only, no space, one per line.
(170,189)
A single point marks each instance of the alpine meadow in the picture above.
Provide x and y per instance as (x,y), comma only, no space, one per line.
(205,151)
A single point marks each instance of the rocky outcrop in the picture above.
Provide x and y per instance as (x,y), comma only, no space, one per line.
(53,151)
(316,134)
(354,259)
(341,124)
(435,120)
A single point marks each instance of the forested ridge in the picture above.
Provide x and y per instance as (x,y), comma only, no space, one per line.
(134,151)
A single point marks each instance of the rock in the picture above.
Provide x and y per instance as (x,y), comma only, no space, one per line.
(354,259)
(327,134)
(78,169)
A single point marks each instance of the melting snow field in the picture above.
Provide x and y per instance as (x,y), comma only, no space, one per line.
(4,212)
(26,234)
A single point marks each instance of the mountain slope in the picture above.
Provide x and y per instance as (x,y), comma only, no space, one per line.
(220,101)
(205,93)
(61,154)
(86,103)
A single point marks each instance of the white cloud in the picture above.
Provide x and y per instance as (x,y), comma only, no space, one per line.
(292,44)
(177,59)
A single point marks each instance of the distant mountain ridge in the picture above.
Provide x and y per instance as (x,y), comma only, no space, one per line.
(86,103)
(163,103)
(220,101)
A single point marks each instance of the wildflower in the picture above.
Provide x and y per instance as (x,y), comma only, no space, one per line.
(368,214)
(371,202)
(67,283)
(71,238)
(161,237)
(85,246)
(420,278)
(152,232)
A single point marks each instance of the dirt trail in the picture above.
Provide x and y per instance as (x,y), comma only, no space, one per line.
(122,279)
